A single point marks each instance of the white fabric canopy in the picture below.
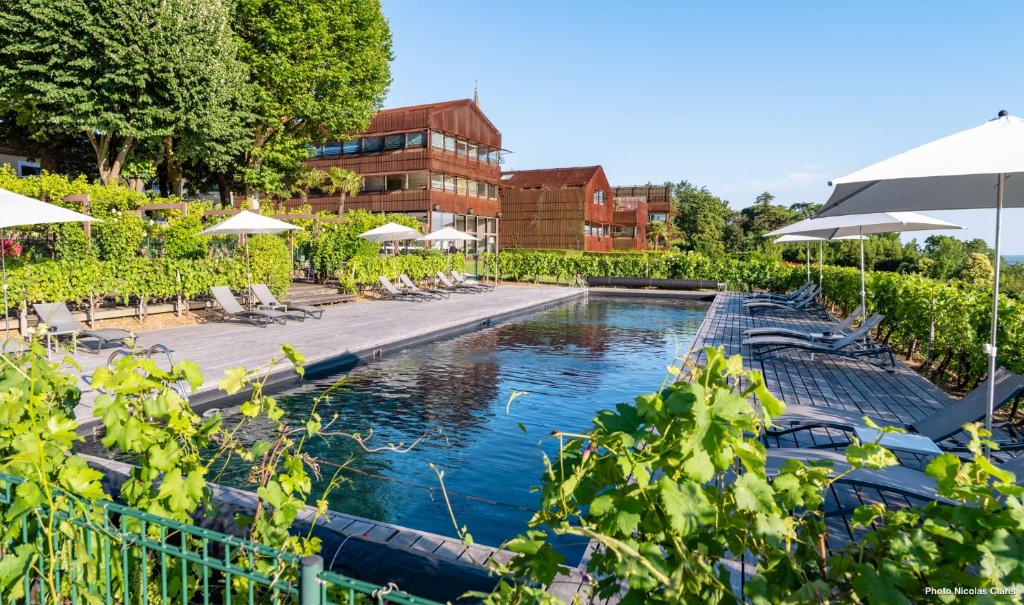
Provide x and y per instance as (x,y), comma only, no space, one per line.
(449,234)
(800,239)
(390,232)
(17,210)
(248,223)
(980,167)
(956,172)
(834,227)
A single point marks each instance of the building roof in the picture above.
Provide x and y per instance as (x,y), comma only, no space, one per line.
(550,178)
(652,193)
(439,106)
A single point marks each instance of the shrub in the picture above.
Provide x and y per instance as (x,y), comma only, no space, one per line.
(364,270)
(119,236)
(270,262)
(331,245)
(181,239)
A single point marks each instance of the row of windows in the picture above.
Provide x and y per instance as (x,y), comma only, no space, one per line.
(394,182)
(461,186)
(484,228)
(372,144)
(462,147)
(657,217)
(598,230)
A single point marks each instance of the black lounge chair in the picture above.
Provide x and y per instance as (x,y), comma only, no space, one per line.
(449,284)
(61,323)
(409,286)
(393,293)
(849,346)
(806,301)
(461,280)
(939,426)
(789,296)
(269,301)
(834,332)
(230,309)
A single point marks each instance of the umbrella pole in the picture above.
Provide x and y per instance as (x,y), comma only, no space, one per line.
(3,264)
(807,253)
(992,350)
(863,293)
(821,265)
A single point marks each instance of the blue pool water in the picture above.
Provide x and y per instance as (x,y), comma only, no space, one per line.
(573,360)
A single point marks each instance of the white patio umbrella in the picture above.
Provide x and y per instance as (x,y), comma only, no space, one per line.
(834,227)
(17,210)
(981,167)
(390,232)
(248,223)
(449,234)
(809,239)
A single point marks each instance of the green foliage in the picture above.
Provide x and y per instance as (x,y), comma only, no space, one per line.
(331,245)
(701,219)
(119,236)
(181,239)
(70,243)
(364,270)
(270,263)
(675,485)
(977,270)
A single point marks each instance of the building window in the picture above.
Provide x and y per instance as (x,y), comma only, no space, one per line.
(449,183)
(372,144)
(395,182)
(350,147)
(436,180)
(28,169)
(492,191)
(449,143)
(599,197)
(460,186)
(416,139)
(482,154)
(473,152)
(373,184)
(492,156)
(657,217)
(471,188)
(331,148)
(394,141)
(437,140)
(461,147)
(417,180)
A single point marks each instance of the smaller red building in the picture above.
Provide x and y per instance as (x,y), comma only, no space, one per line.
(629,231)
(658,199)
(557,208)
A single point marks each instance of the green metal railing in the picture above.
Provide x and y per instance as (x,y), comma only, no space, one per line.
(72,550)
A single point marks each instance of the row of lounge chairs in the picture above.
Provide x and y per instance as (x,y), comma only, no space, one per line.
(841,339)
(268,309)
(444,286)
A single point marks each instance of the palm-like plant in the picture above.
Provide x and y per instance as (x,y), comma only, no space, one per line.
(656,232)
(342,182)
(308,178)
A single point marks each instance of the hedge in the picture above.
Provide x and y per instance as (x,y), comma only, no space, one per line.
(363,271)
(944,324)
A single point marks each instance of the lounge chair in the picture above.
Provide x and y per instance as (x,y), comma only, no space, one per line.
(847,346)
(793,295)
(462,280)
(939,426)
(393,293)
(409,286)
(806,301)
(448,284)
(897,479)
(269,301)
(62,323)
(835,331)
(230,309)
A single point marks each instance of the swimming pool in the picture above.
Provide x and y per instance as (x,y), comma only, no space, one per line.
(572,360)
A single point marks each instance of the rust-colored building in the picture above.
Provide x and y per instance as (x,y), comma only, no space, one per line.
(438,162)
(557,208)
(629,228)
(658,199)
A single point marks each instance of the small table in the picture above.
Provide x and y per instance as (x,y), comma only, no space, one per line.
(918,444)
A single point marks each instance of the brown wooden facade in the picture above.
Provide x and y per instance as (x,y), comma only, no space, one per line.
(557,208)
(629,231)
(438,162)
(658,199)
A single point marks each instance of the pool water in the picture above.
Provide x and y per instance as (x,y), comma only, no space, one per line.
(572,360)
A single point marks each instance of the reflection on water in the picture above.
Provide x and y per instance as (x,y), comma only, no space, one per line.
(573,360)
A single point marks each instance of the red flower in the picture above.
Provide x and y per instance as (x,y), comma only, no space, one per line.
(11,247)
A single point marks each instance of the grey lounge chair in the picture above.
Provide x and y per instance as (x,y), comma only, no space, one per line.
(462,280)
(806,300)
(269,301)
(896,479)
(409,286)
(230,309)
(835,331)
(448,283)
(939,426)
(795,294)
(62,323)
(393,293)
(848,346)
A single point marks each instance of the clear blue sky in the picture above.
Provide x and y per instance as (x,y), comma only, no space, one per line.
(740,97)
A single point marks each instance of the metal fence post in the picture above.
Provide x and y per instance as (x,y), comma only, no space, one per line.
(309,586)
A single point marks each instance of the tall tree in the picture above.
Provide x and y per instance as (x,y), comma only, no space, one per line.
(700,218)
(320,68)
(119,72)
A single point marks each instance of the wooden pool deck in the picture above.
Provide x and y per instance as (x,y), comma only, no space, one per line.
(345,334)
(897,394)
